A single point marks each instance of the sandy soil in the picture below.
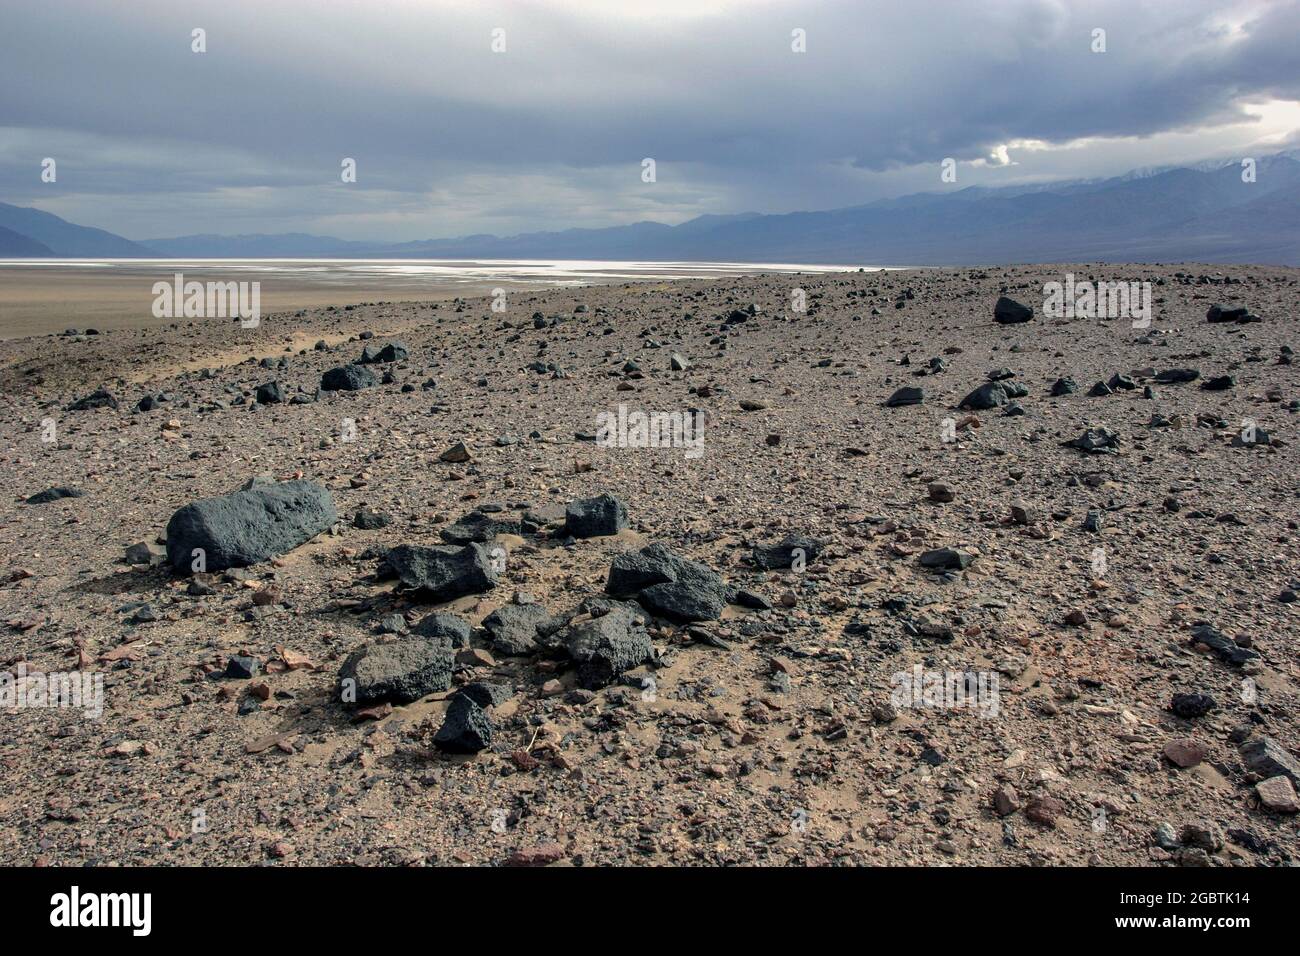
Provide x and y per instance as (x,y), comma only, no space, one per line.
(38,300)
(772,736)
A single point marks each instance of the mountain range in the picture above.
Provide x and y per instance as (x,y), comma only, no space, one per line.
(1204,213)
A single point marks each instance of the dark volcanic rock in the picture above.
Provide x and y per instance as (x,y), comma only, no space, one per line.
(777,556)
(698,594)
(751,599)
(457,454)
(1227,650)
(593,517)
(946,559)
(368,520)
(1241,315)
(54,494)
(466,729)
(515,628)
(989,395)
(633,571)
(241,667)
(99,398)
(142,552)
(667,585)
(1173,376)
(907,395)
(1010,312)
(1220,383)
(1190,706)
(1263,755)
(445,630)
(487,693)
(477,526)
(400,672)
(348,378)
(542,517)
(1064,386)
(1095,439)
(258,522)
(606,646)
(269,394)
(443,573)
(392,352)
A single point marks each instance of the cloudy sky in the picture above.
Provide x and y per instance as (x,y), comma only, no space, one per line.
(450,138)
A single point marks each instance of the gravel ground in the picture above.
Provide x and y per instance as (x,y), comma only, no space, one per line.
(768,736)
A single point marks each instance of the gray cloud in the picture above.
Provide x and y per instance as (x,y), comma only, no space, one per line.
(450,138)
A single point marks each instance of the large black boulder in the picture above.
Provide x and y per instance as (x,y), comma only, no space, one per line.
(443,573)
(668,585)
(446,630)
(946,559)
(466,729)
(608,645)
(1010,312)
(261,521)
(516,628)
(271,393)
(633,571)
(487,693)
(989,395)
(594,517)
(348,378)
(394,352)
(775,557)
(400,672)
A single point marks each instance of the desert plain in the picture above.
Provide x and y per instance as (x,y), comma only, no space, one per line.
(1114,574)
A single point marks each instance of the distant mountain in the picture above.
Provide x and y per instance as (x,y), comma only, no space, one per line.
(63,238)
(289,245)
(16,246)
(1204,213)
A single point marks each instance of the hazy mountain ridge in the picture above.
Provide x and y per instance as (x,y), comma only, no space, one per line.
(1202,213)
(16,246)
(63,238)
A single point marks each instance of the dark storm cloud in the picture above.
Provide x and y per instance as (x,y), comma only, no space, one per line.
(450,136)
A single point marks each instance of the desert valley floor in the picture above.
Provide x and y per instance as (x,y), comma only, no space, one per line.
(1123,567)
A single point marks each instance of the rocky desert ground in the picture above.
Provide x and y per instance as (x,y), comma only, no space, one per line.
(446,622)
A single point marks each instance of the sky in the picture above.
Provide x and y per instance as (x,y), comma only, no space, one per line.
(452,137)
